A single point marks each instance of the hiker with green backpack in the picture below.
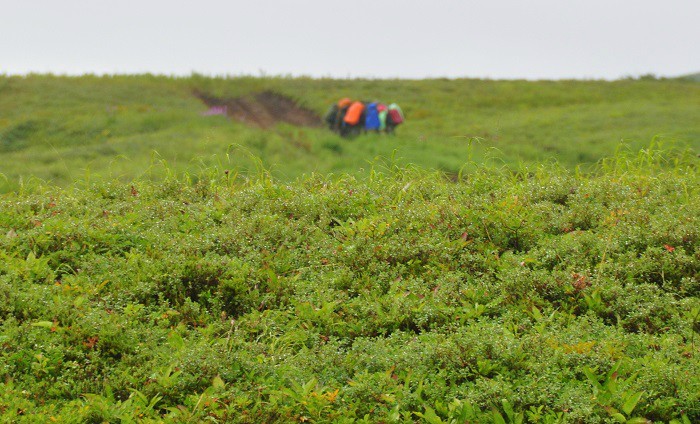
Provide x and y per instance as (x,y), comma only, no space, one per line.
(394,117)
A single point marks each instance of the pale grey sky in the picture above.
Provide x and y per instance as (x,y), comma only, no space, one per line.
(533,39)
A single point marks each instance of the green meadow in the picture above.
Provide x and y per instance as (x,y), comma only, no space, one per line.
(520,252)
(60,129)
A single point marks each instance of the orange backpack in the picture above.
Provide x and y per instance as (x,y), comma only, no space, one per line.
(352,117)
(344,102)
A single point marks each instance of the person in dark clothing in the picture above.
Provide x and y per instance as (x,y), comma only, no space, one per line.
(331,117)
(390,126)
(343,105)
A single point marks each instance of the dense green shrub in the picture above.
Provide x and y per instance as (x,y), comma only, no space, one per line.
(536,296)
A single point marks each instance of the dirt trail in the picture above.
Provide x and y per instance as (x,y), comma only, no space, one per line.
(264,109)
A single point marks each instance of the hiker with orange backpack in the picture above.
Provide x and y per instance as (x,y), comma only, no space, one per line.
(339,115)
(353,120)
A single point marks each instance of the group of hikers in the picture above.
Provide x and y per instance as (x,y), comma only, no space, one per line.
(350,118)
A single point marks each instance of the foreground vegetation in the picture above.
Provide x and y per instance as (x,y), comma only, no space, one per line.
(62,129)
(543,295)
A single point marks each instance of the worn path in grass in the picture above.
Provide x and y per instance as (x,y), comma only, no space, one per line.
(264,110)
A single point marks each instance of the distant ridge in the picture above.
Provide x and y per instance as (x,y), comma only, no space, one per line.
(691,77)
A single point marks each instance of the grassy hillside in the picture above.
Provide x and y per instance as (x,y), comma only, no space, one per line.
(527,267)
(541,296)
(59,129)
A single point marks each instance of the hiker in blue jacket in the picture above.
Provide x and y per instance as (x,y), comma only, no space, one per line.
(372,117)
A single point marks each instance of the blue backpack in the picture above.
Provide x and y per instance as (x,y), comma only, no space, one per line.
(372,117)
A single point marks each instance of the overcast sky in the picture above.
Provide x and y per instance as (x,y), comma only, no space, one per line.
(533,39)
